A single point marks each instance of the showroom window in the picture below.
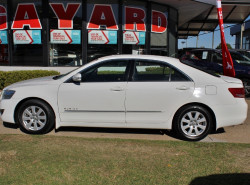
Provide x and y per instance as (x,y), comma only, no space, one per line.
(159,33)
(27,33)
(134,27)
(65,33)
(102,28)
(156,71)
(3,34)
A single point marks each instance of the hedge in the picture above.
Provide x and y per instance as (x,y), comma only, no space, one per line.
(10,77)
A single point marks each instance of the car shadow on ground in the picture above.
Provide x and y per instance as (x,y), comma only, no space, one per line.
(159,132)
(116,130)
(223,179)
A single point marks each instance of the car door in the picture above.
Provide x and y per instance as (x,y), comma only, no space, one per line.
(155,91)
(100,97)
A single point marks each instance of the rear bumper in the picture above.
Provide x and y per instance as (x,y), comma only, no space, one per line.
(229,115)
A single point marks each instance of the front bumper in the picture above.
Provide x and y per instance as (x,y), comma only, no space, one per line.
(7,110)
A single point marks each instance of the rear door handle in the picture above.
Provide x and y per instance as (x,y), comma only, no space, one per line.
(117,89)
(182,88)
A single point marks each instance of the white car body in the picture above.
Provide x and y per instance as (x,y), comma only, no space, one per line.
(130,104)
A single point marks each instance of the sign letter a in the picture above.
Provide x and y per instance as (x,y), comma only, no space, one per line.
(26,15)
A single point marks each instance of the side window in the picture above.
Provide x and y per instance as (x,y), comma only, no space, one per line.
(217,58)
(156,71)
(197,55)
(111,71)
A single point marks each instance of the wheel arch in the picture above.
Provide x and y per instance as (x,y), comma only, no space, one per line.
(214,122)
(31,98)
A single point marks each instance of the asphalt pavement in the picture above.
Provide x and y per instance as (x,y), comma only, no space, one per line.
(233,134)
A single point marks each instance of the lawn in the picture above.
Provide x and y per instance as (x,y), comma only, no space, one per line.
(26,159)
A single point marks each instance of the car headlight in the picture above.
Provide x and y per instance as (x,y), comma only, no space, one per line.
(7,94)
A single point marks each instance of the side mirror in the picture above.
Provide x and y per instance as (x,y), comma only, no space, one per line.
(77,77)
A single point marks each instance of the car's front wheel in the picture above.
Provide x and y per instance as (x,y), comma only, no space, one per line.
(192,122)
(35,117)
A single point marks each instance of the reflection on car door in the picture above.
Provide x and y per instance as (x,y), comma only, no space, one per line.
(99,98)
(154,92)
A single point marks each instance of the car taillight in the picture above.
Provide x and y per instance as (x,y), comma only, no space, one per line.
(237,92)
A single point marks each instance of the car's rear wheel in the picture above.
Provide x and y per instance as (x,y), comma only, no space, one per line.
(192,123)
(35,117)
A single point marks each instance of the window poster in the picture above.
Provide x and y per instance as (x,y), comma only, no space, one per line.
(102,37)
(136,38)
(27,37)
(65,36)
(3,37)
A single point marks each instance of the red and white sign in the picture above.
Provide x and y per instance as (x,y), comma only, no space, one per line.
(65,36)
(3,18)
(65,16)
(98,37)
(228,66)
(26,15)
(24,37)
(135,19)
(135,38)
(60,36)
(159,22)
(102,15)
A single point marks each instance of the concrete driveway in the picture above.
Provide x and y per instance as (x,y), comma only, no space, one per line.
(234,134)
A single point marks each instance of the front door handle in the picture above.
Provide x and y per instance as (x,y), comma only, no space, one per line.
(117,89)
(182,88)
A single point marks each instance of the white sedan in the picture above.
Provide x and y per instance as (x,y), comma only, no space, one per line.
(127,91)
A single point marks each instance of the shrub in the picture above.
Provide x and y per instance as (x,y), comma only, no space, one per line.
(10,77)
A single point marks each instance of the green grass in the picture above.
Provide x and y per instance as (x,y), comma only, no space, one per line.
(26,159)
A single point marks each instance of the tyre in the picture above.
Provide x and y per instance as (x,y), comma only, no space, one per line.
(192,123)
(35,117)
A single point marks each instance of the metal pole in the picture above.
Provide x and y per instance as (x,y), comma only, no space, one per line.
(186,43)
(197,41)
(213,41)
(241,35)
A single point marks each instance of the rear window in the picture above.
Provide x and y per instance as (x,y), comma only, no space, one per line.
(199,68)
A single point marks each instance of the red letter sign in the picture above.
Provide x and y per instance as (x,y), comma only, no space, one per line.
(102,15)
(65,16)
(3,18)
(159,22)
(26,15)
(134,17)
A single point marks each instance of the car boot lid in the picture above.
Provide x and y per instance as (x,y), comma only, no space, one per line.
(231,79)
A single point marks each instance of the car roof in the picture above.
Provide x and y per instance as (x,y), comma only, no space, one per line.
(146,57)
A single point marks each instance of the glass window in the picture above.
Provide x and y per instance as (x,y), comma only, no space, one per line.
(159,36)
(134,36)
(4,38)
(102,28)
(26,53)
(65,38)
(172,32)
(111,71)
(156,71)
(217,58)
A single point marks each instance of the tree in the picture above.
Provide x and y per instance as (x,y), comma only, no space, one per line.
(228,46)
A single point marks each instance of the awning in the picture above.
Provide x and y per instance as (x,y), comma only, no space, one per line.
(200,15)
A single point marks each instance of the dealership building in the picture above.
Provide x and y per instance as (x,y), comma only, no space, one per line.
(52,33)
(242,35)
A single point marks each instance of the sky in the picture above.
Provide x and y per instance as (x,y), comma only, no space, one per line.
(205,40)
